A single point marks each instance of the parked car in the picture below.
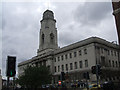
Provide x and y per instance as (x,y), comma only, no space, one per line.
(94,86)
(108,85)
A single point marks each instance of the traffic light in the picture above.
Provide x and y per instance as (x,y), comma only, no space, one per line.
(11,66)
(63,75)
(99,69)
(93,69)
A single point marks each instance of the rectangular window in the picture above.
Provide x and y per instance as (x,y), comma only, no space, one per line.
(85,51)
(102,50)
(58,58)
(55,68)
(55,59)
(98,49)
(86,63)
(75,65)
(62,57)
(109,63)
(103,61)
(108,52)
(58,68)
(113,63)
(116,64)
(66,67)
(71,66)
(80,64)
(48,67)
(70,55)
(119,64)
(62,67)
(44,63)
(75,54)
(111,52)
(66,56)
(80,53)
(115,53)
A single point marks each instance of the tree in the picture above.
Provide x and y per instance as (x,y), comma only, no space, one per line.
(35,77)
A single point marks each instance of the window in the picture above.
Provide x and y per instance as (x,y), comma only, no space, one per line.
(109,63)
(35,64)
(55,59)
(85,51)
(70,55)
(58,68)
(43,36)
(110,78)
(75,65)
(80,53)
(66,67)
(52,38)
(62,57)
(98,49)
(71,66)
(111,52)
(117,77)
(66,56)
(116,64)
(102,61)
(108,52)
(80,64)
(115,53)
(102,50)
(119,64)
(113,78)
(113,63)
(48,67)
(62,67)
(86,63)
(44,63)
(58,58)
(75,54)
(55,68)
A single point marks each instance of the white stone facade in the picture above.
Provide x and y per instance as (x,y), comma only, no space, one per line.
(75,59)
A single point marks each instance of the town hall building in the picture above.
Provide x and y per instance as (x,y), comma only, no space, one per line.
(74,59)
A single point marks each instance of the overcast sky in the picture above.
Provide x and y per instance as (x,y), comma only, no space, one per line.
(75,22)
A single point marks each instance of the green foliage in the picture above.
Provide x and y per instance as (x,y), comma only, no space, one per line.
(34,77)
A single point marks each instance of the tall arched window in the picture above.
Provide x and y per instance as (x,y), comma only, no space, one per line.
(43,36)
(52,38)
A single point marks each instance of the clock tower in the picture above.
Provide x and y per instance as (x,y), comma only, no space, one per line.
(48,32)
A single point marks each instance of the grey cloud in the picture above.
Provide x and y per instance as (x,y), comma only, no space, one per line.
(92,13)
(20,32)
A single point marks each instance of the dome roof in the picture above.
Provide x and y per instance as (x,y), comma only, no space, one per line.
(48,14)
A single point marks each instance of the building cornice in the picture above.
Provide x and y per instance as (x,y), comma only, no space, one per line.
(85,43)
(36,58)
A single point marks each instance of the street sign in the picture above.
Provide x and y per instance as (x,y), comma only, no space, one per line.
(59,82)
